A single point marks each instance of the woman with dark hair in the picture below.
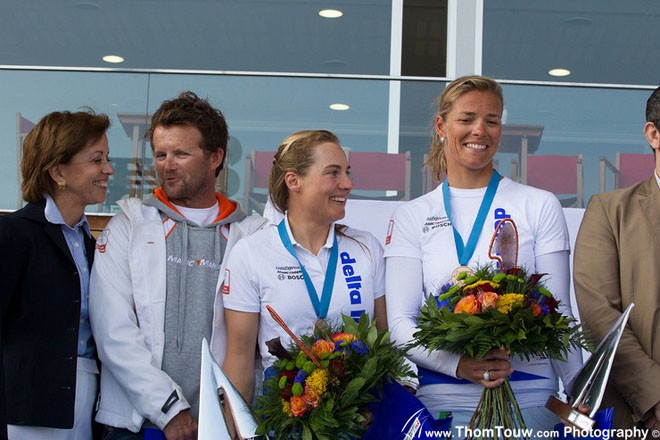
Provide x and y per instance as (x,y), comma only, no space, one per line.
(308,268)
(47,249)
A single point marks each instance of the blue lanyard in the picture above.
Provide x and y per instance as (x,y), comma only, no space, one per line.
(465,252)
(320,307)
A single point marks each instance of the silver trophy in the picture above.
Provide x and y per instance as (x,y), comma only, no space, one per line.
(590,382)
(216,390)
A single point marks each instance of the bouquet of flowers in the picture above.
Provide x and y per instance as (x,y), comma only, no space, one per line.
(320,387)
(489,309)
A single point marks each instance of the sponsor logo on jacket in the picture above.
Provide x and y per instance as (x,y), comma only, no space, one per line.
(435,222)
(201,262)
(102,241)
(288,273)
(353,283)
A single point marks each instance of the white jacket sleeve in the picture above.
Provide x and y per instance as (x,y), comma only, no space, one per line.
(404,296)
(124,344)
(556,264)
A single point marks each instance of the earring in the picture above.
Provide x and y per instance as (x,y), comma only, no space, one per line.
(442,139)
(61,185)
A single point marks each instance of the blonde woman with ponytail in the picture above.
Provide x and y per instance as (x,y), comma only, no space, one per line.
(308,267)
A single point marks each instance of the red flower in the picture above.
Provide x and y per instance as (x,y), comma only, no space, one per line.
(286,393)
(551,303)
(517,271)
(337,368)
(290,375)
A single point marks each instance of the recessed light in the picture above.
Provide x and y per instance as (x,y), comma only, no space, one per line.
(579,21)
(335,64)
(559,72)
(340,107)
(330,13)
(114,59)
(87,5)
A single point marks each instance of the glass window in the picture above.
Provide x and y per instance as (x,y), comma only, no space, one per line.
(609,42)
(247,35)
(25,97)
(260,111)
(424,43)
(545,122)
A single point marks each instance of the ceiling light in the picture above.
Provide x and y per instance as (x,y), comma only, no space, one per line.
(330,13)
(86,5)
(114,59)
(335,64)
(559,72)
(340,107)
(579,21)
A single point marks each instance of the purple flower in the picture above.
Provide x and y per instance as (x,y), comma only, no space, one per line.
(444,288)
(547,304)
(444,303)
(300,377)
(359,347)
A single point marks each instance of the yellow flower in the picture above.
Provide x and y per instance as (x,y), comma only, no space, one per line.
(286,408)
(342,336)
(507,301)
(480,286)
(318,380)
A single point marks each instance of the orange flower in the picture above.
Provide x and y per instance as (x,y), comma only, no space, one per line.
(487,300)
(343,337)
(298,406)
(322,346)
(467,304)
(311,397)
(536,309)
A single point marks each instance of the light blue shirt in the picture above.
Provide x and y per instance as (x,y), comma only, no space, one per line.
(75,239)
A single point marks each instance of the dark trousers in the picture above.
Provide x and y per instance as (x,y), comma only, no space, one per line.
(112,433)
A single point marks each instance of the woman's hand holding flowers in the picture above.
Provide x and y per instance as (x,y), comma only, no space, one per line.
(496,363)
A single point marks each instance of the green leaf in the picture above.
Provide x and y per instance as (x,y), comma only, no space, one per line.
(307,433)
(353,388)
(369,368)
(350,326)
(371,336)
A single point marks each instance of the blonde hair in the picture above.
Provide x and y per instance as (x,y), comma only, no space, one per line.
(295,154)
(55,139)
(437,161)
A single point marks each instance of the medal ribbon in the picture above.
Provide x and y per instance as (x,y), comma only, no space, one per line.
(320,307)
(465,252)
